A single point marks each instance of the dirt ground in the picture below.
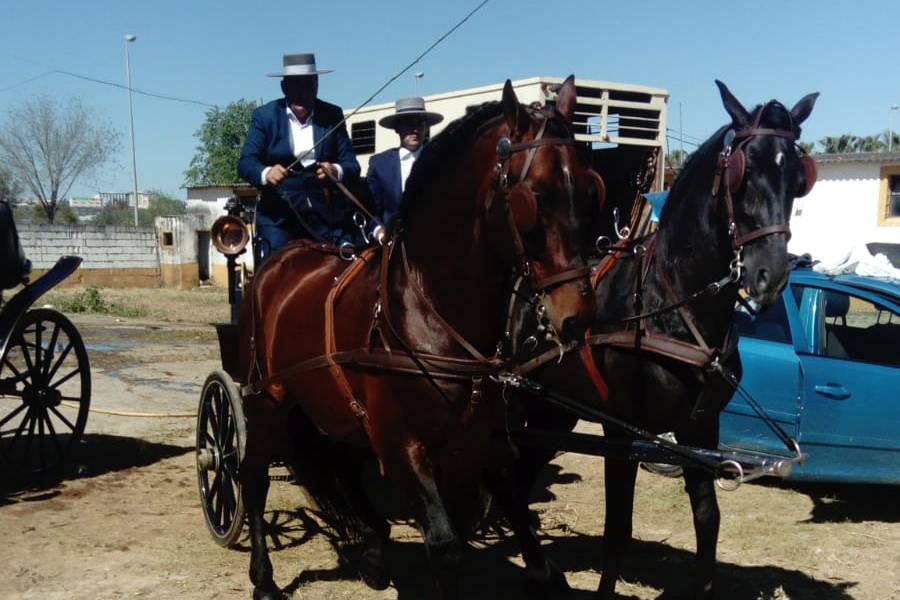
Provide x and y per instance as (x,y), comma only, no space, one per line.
(125,520)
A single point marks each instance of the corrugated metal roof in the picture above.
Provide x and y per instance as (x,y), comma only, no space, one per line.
(877,157)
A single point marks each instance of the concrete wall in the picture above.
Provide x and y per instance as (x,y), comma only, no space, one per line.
(113,256)
(841,212)
(178,251)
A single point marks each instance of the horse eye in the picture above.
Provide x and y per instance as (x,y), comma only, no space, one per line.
(779,158)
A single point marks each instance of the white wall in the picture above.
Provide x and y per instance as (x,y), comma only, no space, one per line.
(840,212)
(100,247)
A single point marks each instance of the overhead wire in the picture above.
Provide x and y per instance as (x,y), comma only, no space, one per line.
(389,82)
(53,71)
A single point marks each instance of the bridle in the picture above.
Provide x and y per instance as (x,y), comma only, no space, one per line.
(520,204)
(730,171)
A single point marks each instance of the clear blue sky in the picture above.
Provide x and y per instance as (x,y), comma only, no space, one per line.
(217,52)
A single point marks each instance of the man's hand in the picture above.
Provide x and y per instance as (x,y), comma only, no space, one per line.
(276,175)
(325,166)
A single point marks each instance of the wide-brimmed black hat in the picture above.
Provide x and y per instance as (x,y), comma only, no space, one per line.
(298,65)
(413,106)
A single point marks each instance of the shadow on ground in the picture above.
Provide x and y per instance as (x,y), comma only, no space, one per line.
(488,574)
(97,454)
(842,502)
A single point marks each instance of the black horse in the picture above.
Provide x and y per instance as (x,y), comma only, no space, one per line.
(663,334)
(14,267)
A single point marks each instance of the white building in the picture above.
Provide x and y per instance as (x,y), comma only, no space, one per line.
(856,200)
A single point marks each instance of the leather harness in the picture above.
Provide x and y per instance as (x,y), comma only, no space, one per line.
(407,360)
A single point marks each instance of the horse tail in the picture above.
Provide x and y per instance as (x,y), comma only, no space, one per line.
(323,467)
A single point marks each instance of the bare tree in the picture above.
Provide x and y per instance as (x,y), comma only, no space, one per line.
(9,187)
(48,145)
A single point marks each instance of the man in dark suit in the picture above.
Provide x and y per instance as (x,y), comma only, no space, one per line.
(388,170)
(286,155)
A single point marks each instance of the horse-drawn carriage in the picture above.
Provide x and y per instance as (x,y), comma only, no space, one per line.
(464,304)
(45,379)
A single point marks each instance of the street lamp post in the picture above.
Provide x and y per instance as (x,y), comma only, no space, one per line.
(128,39)
(891,128)
(419,75)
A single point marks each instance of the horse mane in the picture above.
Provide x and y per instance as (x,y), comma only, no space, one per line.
(444,151)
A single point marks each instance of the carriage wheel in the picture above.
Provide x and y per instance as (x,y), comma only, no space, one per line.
(220,448)
(45,392)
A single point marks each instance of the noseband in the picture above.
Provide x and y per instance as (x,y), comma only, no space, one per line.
(730,174)
(521,205)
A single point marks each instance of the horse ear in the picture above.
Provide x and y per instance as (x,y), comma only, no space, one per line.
(802,109)
(739,115)
(565,102)
(515,115)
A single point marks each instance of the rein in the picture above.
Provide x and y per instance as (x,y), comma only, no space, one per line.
(410,360)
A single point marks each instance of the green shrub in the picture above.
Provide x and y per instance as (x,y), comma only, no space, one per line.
(91,300)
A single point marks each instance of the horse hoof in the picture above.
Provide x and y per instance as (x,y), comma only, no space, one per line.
(374,571)
(549,583)
(259,594)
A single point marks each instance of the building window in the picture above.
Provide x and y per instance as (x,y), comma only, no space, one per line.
(362,135)
(168,239)
(889,213)
(894,196)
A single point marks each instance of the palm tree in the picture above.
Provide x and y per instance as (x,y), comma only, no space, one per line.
(807,147)
(886,136)
(842,144)
(870,143)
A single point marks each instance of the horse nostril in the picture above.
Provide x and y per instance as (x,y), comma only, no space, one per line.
(762,280)
(572,328)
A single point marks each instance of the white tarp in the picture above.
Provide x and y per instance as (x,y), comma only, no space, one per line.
(859,261)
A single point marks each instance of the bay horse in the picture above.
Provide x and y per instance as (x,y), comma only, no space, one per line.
(389,355)
(14,267)
(663,336)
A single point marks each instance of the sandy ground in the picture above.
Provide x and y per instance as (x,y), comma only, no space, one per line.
(125,521)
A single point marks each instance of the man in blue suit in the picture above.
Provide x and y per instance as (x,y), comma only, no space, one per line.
(388,170)
(289,148)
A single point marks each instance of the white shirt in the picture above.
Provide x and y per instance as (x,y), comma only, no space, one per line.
(302,140)
(407,159)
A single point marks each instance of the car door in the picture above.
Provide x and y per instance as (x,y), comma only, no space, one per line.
(771,377)
(850,406)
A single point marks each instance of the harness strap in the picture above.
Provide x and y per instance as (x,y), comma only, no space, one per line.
(455,369)
(562,277)
(657,344)
(763,231)
(336,371)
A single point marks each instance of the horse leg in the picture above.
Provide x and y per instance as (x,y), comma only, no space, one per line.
(544,577)
(700,488)
(441,542)
(254,476)
(619,482)
(373,564)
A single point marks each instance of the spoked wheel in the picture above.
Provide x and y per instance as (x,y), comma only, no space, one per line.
(45,392)
(220,447)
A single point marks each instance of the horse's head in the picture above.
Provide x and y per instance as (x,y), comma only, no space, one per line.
(543,194)
(15,267)
(760,172)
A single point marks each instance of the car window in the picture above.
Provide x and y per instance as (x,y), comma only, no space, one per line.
(858,329)
(764,323)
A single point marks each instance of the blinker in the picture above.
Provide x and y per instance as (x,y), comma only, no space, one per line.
(504,148)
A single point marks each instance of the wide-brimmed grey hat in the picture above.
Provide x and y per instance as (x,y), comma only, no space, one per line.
(413,106)
(298,65)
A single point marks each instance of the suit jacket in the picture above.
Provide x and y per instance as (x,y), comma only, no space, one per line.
(383,181)
(269,143)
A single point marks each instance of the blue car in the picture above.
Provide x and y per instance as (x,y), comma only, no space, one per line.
(824,362)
